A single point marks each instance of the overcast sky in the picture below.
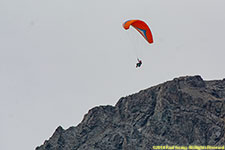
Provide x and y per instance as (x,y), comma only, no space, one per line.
(60,58)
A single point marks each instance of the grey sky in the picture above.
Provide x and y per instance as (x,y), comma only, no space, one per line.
(59,58)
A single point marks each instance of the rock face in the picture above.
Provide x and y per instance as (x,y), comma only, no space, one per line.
(184,111)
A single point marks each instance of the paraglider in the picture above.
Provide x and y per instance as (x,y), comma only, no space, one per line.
(143,29)
(139,63)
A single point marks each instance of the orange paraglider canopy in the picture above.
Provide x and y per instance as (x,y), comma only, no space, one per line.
(141,27)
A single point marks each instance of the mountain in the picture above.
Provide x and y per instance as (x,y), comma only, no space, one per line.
(184,111)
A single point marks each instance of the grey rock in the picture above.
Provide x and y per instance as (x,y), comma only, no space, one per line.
(185,111)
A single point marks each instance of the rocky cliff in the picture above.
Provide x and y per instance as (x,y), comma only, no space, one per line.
(184,111)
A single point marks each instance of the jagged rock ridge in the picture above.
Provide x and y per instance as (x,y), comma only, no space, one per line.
(184,111)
